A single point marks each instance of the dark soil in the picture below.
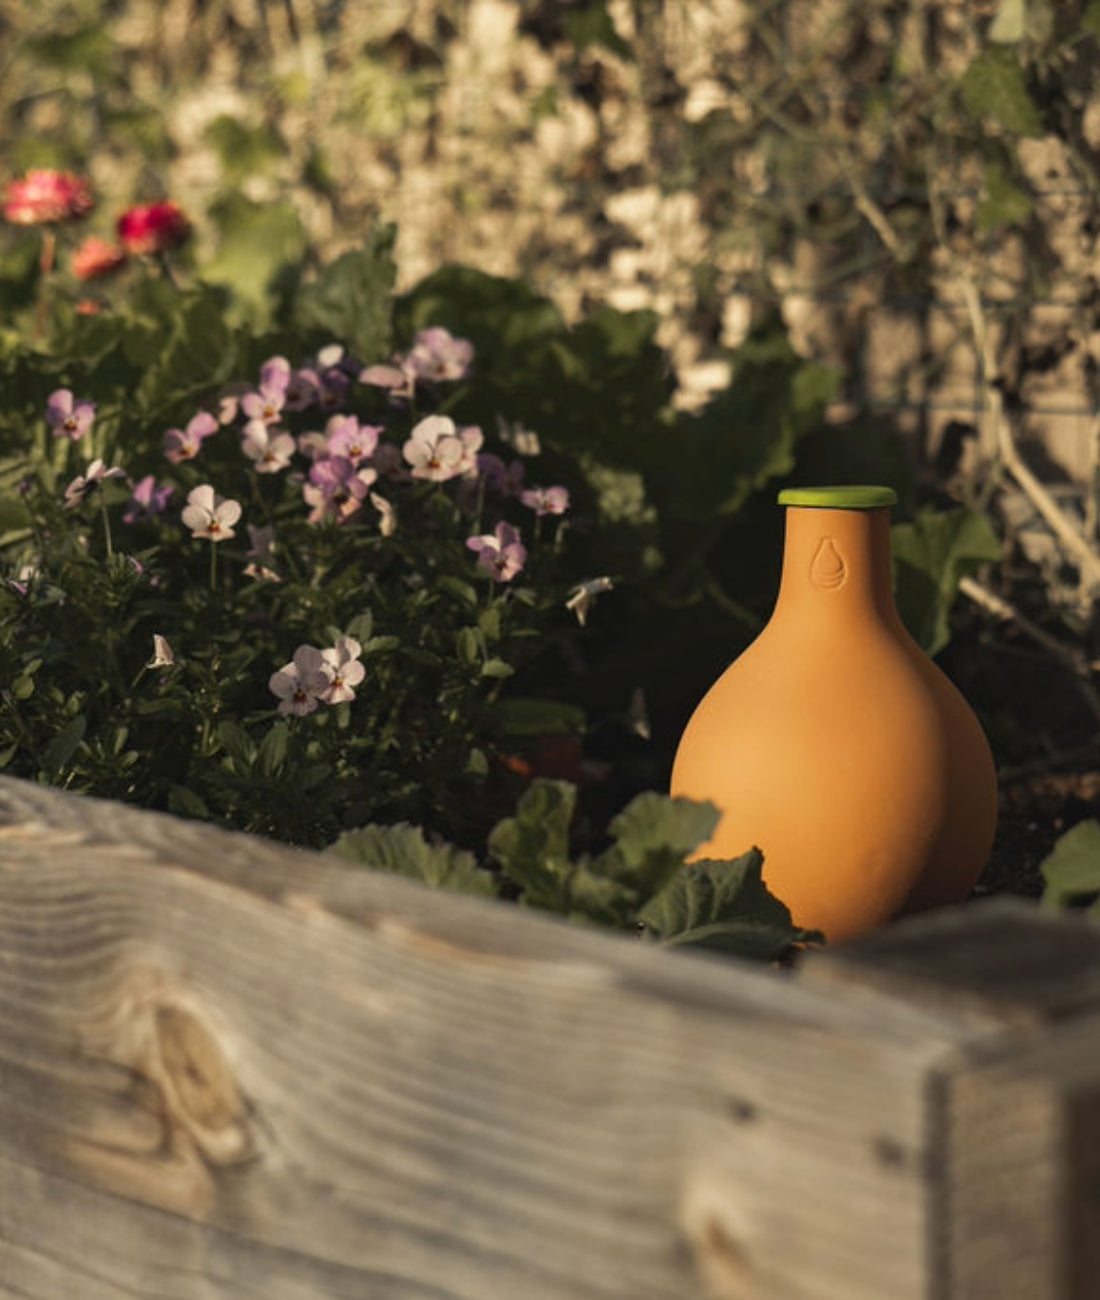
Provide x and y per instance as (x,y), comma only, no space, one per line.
(1045,737)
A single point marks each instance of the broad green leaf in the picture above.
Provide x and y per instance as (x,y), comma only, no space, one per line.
(746,435)
(236,742)
(1072,870)
(63,746)
(273,748)
(519,716)
(241,149)
(186,803)
(653,835)
(1003,203)
(724,906)
(994,87)
(930,555)
(532,847)
(495,313)
(350,301)
(260,250)
(403,850)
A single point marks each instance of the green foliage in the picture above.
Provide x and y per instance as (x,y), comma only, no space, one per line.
(260,245)
(641,882)
(930,555)
(350,299)
(994,89)
(747,435)
(403,850)
(1004,203)
(1072,870)
(726,907)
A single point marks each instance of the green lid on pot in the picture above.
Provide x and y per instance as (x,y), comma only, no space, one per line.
(855,496)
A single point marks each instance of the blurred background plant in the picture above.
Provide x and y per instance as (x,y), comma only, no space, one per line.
(720,245)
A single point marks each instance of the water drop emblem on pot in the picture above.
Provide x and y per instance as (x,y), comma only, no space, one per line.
(827,569)
(835,744)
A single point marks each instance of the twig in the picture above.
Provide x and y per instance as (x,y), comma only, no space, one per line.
(1006,612)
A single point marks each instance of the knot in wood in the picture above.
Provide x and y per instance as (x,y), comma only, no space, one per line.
(199,1090)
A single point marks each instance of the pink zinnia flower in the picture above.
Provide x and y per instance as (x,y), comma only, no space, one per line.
(209,515)
(153,228)
(46,196)
(500,553)
(67,417)
(96,257)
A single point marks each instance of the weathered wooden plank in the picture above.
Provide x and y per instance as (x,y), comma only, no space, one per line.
(1021,1215)
(232,1069)
(1003,960)
(1018,1114)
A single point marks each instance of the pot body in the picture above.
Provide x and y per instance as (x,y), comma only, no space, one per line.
(836,746)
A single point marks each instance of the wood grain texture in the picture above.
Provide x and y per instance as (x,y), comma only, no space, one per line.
(1019,1113)
(231,1069)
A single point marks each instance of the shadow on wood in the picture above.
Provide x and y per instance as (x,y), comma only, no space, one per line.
(232,1069)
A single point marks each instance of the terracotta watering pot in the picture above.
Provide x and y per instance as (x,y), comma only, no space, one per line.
(835,744)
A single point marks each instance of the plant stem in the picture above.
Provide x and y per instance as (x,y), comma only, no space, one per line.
(213,569)
(106,526)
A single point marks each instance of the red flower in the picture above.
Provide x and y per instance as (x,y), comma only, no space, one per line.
(96,257)
(45,196)
(153,228)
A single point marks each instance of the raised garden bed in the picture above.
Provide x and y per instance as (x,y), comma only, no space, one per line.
(231,1068)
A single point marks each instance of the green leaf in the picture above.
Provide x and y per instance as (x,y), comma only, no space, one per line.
(273,747)
(1090,20)
(519,716)
(22,688)
(746,436)
(186,803)
(351,299)
(261,247)
(243,150)
(532,847)
(591,24)
(63,746)
(361,626)
(723,906)
(236,742)
(87,49)
(653,835)
(994,87)
(1003,203)
(930,555)
(1072,870)
(496,668)
(403,850)
(468,645)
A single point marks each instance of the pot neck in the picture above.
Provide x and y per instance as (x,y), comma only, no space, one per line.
(836,563)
